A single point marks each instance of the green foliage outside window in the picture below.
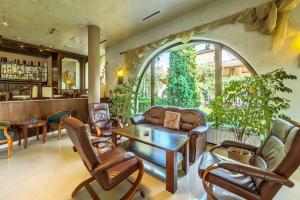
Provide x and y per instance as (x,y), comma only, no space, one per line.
(183,79)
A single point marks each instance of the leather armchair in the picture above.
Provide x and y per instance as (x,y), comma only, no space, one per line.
(100,120)
(109,168)
(270,166)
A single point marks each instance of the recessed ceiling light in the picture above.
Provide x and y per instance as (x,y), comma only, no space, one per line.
(5,23)
(151,15)
(19,38)
(50,46)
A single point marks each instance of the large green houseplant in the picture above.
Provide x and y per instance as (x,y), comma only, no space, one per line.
(122,101)
(249,105)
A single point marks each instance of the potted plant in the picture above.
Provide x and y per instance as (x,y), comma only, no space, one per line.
(249,105)
(122,101)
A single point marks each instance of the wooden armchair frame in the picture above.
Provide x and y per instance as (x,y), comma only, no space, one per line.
(60,123)
(9,139)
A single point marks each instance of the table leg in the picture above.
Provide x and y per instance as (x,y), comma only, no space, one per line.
(25,135)
(44,133)
(185,161)
(171,171)
(114,139)
(19,136)
(37,133)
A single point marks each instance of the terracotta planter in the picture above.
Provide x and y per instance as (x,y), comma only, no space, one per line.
(240,155)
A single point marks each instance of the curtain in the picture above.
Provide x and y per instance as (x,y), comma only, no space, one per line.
(271,18)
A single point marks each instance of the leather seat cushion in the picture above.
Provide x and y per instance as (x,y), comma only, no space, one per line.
(105,132)
(222,176)
(119,172)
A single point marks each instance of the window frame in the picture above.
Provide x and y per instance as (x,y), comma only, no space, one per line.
(219,78)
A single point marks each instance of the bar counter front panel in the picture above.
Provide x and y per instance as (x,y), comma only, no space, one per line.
(18,111)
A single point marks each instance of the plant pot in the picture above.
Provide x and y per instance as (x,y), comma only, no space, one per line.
(241,155)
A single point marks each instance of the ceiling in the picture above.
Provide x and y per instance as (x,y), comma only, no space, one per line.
(31,20)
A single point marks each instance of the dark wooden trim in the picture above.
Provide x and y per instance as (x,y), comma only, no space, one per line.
(152,80)
(218,70)
(82,74)
(33,49)
(243,60)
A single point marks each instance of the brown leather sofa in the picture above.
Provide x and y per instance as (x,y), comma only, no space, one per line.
(270,166)
(192,123)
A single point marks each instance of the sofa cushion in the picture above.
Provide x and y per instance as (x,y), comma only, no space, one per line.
(155,115)
(172,120)
(190,119)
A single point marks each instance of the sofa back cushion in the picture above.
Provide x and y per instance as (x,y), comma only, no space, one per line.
(155,115)
(191,118)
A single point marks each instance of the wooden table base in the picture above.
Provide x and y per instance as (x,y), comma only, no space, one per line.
(24,128)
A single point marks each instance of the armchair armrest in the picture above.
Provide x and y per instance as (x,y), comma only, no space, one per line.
(105,142)
(113,162)
(230,143)
(256,172)
(5,128)
(119,122)
(137,119)
(199,129)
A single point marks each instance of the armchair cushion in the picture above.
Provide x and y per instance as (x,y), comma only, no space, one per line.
(221,176)
(2,136)
(55,117)
(119,172)
(10,133)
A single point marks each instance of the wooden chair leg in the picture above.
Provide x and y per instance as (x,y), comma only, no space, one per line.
(81,185)
(130,194)
(10,147)
(59,133)
(142,193)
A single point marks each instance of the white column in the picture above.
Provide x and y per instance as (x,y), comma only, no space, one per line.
(94,63)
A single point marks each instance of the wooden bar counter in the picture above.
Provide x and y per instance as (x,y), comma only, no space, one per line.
(17,111)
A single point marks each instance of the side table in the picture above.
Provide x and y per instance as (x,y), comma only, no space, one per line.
(25,125)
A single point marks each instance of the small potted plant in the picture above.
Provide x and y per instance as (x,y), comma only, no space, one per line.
(249,105)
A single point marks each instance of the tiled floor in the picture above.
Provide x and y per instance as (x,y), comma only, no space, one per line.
(52,170)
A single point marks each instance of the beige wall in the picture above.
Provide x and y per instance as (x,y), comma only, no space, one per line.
(254,47)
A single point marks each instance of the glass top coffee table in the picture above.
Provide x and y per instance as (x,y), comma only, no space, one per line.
(164,147)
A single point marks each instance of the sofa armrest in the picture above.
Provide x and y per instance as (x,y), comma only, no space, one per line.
(140,119)
(113,162)
(256,172)
(241,145)
(199,129)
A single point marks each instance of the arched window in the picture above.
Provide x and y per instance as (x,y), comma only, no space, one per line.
(189,75)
